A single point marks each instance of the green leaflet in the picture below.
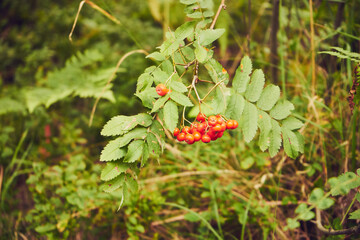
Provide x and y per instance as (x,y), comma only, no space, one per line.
(180,99)
(249,121)
(256,85)
(275,138)
(218,103)
(135,150)
(153,144)
(208,36)
(304,212)
(156,56)
(235,107)
(242,75)
(137,133)
(265,126)
(159,103)
(148,97)
(178,86)
(160,76)
(318,199)
(355,215)
(292,123)
(171,115)
(145,80)
(216,71)
(112,151)
(301,141)
(182,32)
(188,53)
(291,144)
(200,52)
(131,183)
(157,129)
(269,97)
(114,184)
(9,105)
(342,184)
(120,125)
(188,2)
(281,110)
(113,169)
(145,155)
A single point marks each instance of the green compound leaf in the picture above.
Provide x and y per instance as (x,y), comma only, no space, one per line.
(265,126)
(235,107)
(114,184)
(242,75)
(171,115)
(249,121)
(275,138)
(282,109)
(120,125)
(180,99)
(269,97)
(113,169)
(135,150)
(304,212)
(256,86)
(292,123)
(318,199)
(208,36)
(291,144)
(159,103)
(342,184)
(112,151)
(178,86)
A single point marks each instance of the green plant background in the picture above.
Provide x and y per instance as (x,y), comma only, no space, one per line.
(228,190)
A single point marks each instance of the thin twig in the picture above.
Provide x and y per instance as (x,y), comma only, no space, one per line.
(221,6)
(212,89)
(331,231)
(111,78)
(313,75)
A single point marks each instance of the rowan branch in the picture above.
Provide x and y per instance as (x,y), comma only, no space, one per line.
(221,6)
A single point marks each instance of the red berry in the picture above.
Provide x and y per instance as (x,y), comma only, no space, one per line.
(189,138)
(205,138)
(236,124)
(201,128)
(186,130)
(176,132)
(220,134)
(230,124)
(220,120)
(217,128)
(201,117)
(223,127)
(194,126)
(212,134)
(197,136)
(212,120)
(181,137)
(161,89)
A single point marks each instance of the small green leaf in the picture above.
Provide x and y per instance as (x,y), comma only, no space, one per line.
(114,184)
(304,212)
(137,133)
(355,215)
(249,121)
(292,123)
(120,125)
(218,103)
(148,96)
(291,144)
(242,75)
(156,56)
(188,2)
(269,97)
(247,163)
(208,36)
(235,107)
(200,52)
(112,151)
(178,86)
(159,103)
(131,183)
(256,86)
(134,151)
(153,144)
(292,223)
(342,184)
(113,169)
(216,71)
(265,129)
(45,228)
(180,99)
(318,199)
(275,138)
(171,115)
(160,76)
(281,110)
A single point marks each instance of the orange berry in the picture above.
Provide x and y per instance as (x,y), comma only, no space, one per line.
(186,129)
(212,120)
(217,128)
(189,138)
(197,136)
(181,137)
(201,117)
(230,124)
(205,138)
(161,89)
(176,132)
(236,124)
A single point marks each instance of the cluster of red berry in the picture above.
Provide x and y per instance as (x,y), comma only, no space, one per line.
(162,90)
(204,129)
